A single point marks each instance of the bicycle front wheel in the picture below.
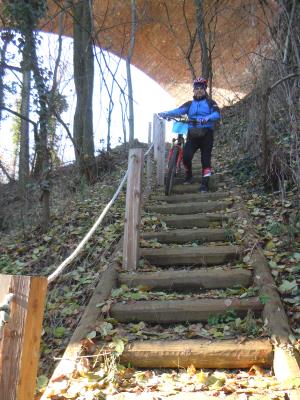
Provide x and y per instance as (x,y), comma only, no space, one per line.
(169,181)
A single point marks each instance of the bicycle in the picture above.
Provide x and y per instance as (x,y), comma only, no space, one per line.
(175,154)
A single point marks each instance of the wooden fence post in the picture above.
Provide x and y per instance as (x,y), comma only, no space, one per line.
(21,335)
(159,133)
(133,209)
(149,162)
(155,136)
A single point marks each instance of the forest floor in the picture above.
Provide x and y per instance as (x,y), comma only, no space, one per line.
(25,249)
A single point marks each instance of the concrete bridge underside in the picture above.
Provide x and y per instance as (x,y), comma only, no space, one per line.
(163,40)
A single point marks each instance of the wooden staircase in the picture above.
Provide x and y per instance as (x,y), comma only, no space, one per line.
(191,277)
(191,259)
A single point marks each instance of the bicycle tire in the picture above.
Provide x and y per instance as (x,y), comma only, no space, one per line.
(171,172)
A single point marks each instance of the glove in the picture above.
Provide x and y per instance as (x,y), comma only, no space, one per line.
(203,121)
(162,115)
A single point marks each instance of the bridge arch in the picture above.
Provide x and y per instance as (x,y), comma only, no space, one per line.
(163,35)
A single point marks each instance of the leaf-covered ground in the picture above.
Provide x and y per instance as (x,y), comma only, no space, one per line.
(25,249)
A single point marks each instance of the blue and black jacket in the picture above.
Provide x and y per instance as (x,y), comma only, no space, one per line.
(197,109)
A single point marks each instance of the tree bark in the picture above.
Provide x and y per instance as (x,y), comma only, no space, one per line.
(2,73)
(200,353)
(84,83)
(205,61)
(24,128)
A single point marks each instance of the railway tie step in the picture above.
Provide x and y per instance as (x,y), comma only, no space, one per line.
(192,220)
(201,353)
(179,311)
(200,255)
(191,197)
(190,208)
(179,188)
(187,235)
(213,278)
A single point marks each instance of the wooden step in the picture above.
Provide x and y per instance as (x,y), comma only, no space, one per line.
(197,175)
(190,208)
(191,197)
(200,255)
(193,220)
(199,353)
(187,235)
(213,278)
(194,188)
(174,311)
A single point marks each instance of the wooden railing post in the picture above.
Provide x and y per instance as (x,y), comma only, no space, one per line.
(159,133)
(133,209)
(149,163)
(20,336)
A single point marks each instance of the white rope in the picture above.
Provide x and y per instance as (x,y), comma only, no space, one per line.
(5,311)
(148,151)
(67,261)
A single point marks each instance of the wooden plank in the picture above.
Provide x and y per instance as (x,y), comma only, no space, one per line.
(20,339)
(200,353)
(159,128)
(149,163)
(133,209)
(185,221)
(201,255)
(187,235)
(213,278)
(215,179)
(179,198)
(173,311)
(189,208)
(276,321)
(193,220)
(67,365)
(214,184)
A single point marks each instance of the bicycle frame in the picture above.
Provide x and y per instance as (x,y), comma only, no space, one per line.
(174,160)
(179,142)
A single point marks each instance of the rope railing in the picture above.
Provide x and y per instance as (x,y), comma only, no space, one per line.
(5,311)
(71,257)
(148,151)
(17,314)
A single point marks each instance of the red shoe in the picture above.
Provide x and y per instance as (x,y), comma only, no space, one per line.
(206,172)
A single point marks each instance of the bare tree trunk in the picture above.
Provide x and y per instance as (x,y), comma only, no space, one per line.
(3,169)
(2,73)
(84,84)
(287,40)
(111,105)
(200,20)
(124,117)
(24,125)
(128,70)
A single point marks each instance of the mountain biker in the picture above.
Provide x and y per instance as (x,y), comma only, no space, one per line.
(204,111)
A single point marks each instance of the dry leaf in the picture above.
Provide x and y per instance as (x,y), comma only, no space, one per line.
(191,370)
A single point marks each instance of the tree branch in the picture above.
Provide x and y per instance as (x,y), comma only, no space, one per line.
(5,172)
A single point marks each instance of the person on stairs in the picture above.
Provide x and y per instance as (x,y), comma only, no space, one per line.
(204,112)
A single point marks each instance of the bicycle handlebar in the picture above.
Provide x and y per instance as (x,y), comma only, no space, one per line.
(177,118)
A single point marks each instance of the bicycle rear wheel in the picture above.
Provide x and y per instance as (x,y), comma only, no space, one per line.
(169,180)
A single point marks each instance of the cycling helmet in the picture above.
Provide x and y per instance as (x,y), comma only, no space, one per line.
(200,83)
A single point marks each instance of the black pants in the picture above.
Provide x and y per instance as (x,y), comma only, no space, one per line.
(205,144)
